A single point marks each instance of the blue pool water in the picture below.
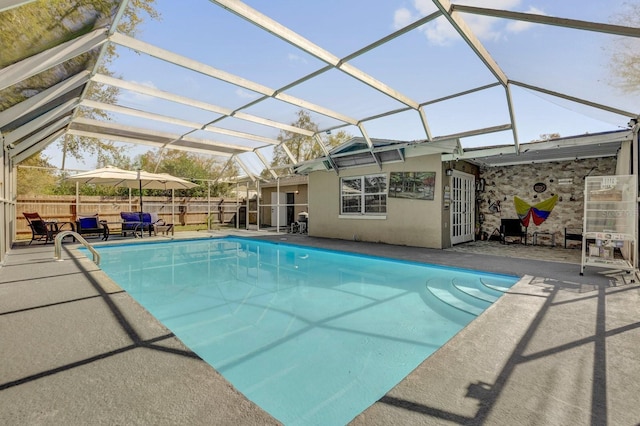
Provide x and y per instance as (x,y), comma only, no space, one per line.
(312,336)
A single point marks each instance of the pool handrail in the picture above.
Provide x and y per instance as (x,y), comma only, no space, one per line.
(58,246)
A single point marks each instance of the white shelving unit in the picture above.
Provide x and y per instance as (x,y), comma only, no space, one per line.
(609,230)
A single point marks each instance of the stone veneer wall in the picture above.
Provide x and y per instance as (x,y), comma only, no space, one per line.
(503,183)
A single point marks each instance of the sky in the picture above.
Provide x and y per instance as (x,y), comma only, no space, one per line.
(426,64)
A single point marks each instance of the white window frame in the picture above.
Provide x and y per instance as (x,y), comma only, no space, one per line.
(361,195)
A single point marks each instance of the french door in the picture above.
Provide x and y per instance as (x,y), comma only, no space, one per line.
(462,207)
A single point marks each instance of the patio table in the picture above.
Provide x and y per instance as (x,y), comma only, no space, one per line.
(165,229)
(55,227)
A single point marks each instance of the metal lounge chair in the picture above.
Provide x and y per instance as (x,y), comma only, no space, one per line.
(45,230)
(40,230)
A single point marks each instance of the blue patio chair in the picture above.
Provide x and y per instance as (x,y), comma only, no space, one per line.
(92,225)
(135,223)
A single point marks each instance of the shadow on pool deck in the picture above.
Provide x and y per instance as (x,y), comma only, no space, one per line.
(559,348)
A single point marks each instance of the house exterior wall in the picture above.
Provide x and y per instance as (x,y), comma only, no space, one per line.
(416,223)
(427,223)
(503,183)
(300,198)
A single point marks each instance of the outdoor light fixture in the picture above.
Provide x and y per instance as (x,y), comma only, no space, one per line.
(632,122)
(449,172)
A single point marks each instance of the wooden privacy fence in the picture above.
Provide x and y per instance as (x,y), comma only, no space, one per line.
(188,211)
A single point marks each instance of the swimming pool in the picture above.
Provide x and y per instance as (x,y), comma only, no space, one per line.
(312,336)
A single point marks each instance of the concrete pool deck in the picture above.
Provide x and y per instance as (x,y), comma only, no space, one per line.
(559,348)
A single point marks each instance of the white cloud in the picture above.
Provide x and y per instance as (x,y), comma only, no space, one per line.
(292,57)
(424,7)
(241,93)
(401,18)
(484,27)
(519,26)
(440,32)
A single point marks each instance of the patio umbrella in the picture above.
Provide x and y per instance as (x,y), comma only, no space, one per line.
(113,176)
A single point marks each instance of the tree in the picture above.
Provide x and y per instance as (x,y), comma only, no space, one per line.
(35,27)
(106,151)
(190,166)
(36,176)
(303,147)
(625,53)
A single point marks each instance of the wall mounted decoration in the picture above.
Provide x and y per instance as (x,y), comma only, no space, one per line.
(538,212)
(412,185)
(540,187)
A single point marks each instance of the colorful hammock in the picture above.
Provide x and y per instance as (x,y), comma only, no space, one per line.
(538,212)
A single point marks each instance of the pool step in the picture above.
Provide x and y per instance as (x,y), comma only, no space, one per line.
(444,290)
(497,284)
(475,288)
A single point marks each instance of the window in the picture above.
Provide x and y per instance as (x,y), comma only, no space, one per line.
(364,195)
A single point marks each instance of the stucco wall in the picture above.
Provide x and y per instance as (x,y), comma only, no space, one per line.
(503,183)
(426,223)
(300,198)
(407,222)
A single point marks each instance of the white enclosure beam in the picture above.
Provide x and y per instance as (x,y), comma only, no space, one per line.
(37,147)
(172,120)
(120,130)
(185,62)
(266,163)
(42,98)
(137,141)
(243,135)
(512,117)
(320,143)
(287,151)
(140,114)
(470,38)
(38,136)
(425,123)
(10,4)
(575,99)
(42,61)
(40,121)
(243,10)
(477,132)
(249,174)
(145,90)
(549,20)
(365,135)
(210,71)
